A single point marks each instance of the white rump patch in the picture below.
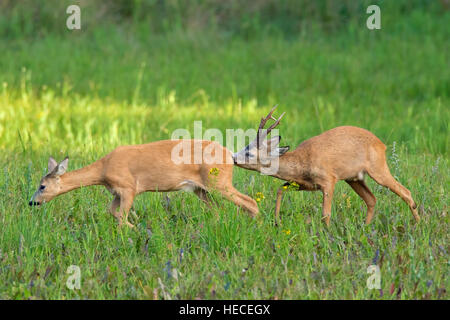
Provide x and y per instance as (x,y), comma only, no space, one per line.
(361,175)
(188,186)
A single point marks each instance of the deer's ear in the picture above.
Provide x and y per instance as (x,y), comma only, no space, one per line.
(51,164)
(62,166)
(273,142)
(282,150)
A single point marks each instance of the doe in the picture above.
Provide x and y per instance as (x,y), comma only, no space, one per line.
(130,170)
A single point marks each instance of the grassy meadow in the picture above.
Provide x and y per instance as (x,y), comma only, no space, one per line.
(82,93)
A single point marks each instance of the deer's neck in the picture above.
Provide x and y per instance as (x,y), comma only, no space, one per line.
(289,167)
(86,176)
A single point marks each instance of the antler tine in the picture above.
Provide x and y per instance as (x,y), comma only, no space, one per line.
(269,116)
(277,122)
(263,123)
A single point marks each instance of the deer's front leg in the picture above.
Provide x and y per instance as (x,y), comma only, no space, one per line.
(327,191)
(278,203)
(114,205)
(126,201)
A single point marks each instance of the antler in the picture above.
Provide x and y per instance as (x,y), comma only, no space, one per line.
(263,123)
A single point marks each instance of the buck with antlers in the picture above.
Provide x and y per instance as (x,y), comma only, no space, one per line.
(130,170)
(343,153)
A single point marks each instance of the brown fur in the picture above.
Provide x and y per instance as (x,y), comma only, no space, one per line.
(343,153)
(130,170)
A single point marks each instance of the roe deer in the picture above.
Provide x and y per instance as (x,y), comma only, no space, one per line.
(343,153)
(130,170)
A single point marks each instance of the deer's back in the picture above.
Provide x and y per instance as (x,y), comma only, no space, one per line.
(155,166)
(344,151)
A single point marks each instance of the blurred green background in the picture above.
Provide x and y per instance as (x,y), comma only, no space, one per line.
(316,59)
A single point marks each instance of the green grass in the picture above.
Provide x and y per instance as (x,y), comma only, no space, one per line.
(82,94)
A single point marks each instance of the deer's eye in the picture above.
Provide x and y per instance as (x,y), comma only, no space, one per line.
(248,154)
(41,187)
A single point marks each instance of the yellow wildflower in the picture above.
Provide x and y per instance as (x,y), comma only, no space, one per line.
(288,231)
(259,196)
(214,171)
(349,204)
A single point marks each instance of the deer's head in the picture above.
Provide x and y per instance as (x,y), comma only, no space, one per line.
(50,185)
(262,152)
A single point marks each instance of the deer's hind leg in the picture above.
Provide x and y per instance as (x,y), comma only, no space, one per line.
(364,192)
(383,176)
(241,200)
(223,183)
